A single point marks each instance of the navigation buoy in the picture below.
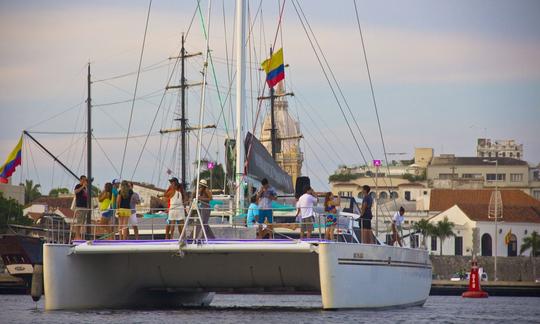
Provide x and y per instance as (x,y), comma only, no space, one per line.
(474,291)
(37,282)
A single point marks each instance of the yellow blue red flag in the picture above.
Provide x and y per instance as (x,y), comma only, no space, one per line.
(274,68)
(13,160)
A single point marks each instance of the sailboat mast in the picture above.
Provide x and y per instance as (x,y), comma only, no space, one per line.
(183,117)
(89,148)
(240,96)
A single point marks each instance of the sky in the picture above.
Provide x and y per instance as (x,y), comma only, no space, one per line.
(444,74)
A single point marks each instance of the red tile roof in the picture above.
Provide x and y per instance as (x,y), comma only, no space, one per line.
(54,202)
(512,214)
(442,199)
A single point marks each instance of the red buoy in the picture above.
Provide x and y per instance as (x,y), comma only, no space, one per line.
(474,291)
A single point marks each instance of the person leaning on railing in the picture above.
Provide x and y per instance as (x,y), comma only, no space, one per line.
(124,208)
(330,208)
(306,202)
(205,196)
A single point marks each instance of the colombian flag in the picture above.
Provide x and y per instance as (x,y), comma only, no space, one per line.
(13,160)
(274,68)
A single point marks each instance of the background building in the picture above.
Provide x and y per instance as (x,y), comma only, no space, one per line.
(289,156)
(474,230)
(485,147)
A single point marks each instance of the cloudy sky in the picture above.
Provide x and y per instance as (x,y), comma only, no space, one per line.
(444,73)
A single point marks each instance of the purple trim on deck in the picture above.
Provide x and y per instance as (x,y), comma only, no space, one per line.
(211,241)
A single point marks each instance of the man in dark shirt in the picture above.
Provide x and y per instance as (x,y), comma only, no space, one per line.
(81,207)
(366,216)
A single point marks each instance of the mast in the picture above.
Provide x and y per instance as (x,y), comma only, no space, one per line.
(240,94)
(183,116)
(272,119)
(89,148)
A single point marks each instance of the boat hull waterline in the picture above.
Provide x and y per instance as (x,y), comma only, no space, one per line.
(99,274)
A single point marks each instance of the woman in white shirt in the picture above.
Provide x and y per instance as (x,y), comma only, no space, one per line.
(397,221)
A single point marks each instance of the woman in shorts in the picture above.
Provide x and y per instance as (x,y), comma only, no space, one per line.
(105,200)
(124,209)
(330,209)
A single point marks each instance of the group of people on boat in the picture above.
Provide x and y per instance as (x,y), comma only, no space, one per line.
(119,199)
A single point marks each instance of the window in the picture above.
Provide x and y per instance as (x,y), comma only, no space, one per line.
(433,243)
(445,176)
(495,177)
(516,177)
(345,193)
(503,154)
(536,194)
(471,176)
(414,241)
(425,192)
(518,155)
(511,154)
(458,245)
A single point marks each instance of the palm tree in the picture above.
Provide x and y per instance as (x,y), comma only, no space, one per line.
(425,228)
(531,242)
(444,229)
(31,191)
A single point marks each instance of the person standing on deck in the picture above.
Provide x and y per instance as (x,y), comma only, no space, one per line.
(205,195)
(133,221)
(81,207)
(123,202)
(366,215)
(169,193)
(266,195)
(397,221)
(306,202)
(115,185)
(330,208)
(105,202)
(177,212)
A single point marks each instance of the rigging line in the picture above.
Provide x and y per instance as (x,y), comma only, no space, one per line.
(34,165)
(336,82)
(126,91)
(136,86)
(148,68)
(56,133)
(164,93)
(148,95)
(329,83)
(372,93)
(317,157)
(325,138)
(56,115)
(105,153)
(112,138)
(191,21)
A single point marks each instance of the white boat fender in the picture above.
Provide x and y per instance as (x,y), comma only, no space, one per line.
(37,282)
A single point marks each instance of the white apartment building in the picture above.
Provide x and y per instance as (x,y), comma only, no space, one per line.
(486,148)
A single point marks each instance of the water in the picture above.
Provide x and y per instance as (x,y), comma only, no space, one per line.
(285,308)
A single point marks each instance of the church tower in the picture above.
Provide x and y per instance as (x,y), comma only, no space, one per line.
(289,157)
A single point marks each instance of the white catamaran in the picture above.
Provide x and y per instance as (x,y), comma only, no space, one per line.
(111,274)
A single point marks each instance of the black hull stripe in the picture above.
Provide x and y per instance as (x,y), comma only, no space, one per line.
(384,264)
(382,261)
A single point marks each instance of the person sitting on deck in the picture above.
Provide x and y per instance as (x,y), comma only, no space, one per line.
(366,216)
(253,212)
(266,195)
(306,202)
(397,221)
(330,208)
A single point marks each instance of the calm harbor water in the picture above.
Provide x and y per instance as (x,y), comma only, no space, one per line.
(284,308)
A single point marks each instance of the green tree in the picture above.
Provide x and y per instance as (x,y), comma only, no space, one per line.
(425,228)
(531,242)
(218,177)
(11,212)
(443,230)
(31,191)
(58,191)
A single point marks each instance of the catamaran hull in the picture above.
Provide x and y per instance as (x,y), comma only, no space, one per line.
(113,275)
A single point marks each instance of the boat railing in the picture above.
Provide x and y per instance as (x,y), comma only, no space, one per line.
(152,224)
